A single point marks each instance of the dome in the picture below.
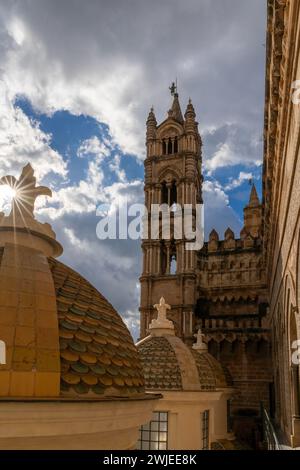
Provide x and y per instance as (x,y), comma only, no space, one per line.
(97,353)
(169,364)
(61,333)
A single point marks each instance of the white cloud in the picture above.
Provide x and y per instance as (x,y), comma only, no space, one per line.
(93,146)
(115,167)
(22,141)
(218,214)
(233,151)
(236,182)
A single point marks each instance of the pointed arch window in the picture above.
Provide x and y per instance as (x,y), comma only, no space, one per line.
(175,145)
(164,147)
(170,150)
(173,194)
(173,264)
(164,193)
(173,259)
(163,258)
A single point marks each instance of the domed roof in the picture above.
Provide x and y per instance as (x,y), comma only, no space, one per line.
(169,364)
(97,353)
(98,358)
(89,349)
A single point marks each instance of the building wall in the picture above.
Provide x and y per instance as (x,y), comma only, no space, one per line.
(231,311)
(185,411)
(281,184)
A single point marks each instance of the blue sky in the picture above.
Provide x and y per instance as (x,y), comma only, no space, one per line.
(76,86)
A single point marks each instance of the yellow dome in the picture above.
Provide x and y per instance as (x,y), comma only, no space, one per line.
(97,353)
(98,358)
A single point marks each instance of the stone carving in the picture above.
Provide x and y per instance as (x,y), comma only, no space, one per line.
(26,192)
(162,308)
(200,345)
(161,325)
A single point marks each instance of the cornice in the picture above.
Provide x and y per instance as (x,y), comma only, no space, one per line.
(275,112)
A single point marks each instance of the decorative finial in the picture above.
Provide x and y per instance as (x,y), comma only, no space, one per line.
(173,88)
(20,227)
(26,192)
(161,325)
(162,308)
(200,345)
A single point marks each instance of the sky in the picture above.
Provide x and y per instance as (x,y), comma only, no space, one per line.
(77,80)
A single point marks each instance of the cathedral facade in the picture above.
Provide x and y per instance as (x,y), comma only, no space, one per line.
(220,288)
(243,293)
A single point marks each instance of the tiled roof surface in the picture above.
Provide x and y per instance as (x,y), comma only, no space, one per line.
(211,372)
(98,356)
(161,369)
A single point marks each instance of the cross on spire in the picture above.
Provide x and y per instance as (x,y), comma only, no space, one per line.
(173,88)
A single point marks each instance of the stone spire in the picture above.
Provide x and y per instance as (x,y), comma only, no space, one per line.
(175,111)
(252,215)
(253,200)
(151,124)
(190,116)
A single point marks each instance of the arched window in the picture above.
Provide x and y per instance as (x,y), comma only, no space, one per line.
(173,264)
(163,259)
(164,193)
(172,259)
(170,150)
(164,147)
(175,145)
(173,194)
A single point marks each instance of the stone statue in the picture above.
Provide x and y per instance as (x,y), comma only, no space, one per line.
(161,325)
(26,192)
(162,308)
(200,345)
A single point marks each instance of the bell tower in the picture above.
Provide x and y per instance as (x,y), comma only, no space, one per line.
(173,180)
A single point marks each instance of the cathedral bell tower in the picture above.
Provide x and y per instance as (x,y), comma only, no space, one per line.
(172,180)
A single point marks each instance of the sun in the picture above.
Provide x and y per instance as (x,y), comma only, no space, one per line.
(7,194)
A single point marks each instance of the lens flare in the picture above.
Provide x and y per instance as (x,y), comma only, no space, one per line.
(7,194)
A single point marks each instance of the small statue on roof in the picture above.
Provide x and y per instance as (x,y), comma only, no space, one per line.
(26,192)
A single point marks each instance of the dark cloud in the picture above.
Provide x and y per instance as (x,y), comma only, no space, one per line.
(112,60)
(215,48)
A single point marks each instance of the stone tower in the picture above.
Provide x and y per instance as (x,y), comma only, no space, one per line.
(172,178)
